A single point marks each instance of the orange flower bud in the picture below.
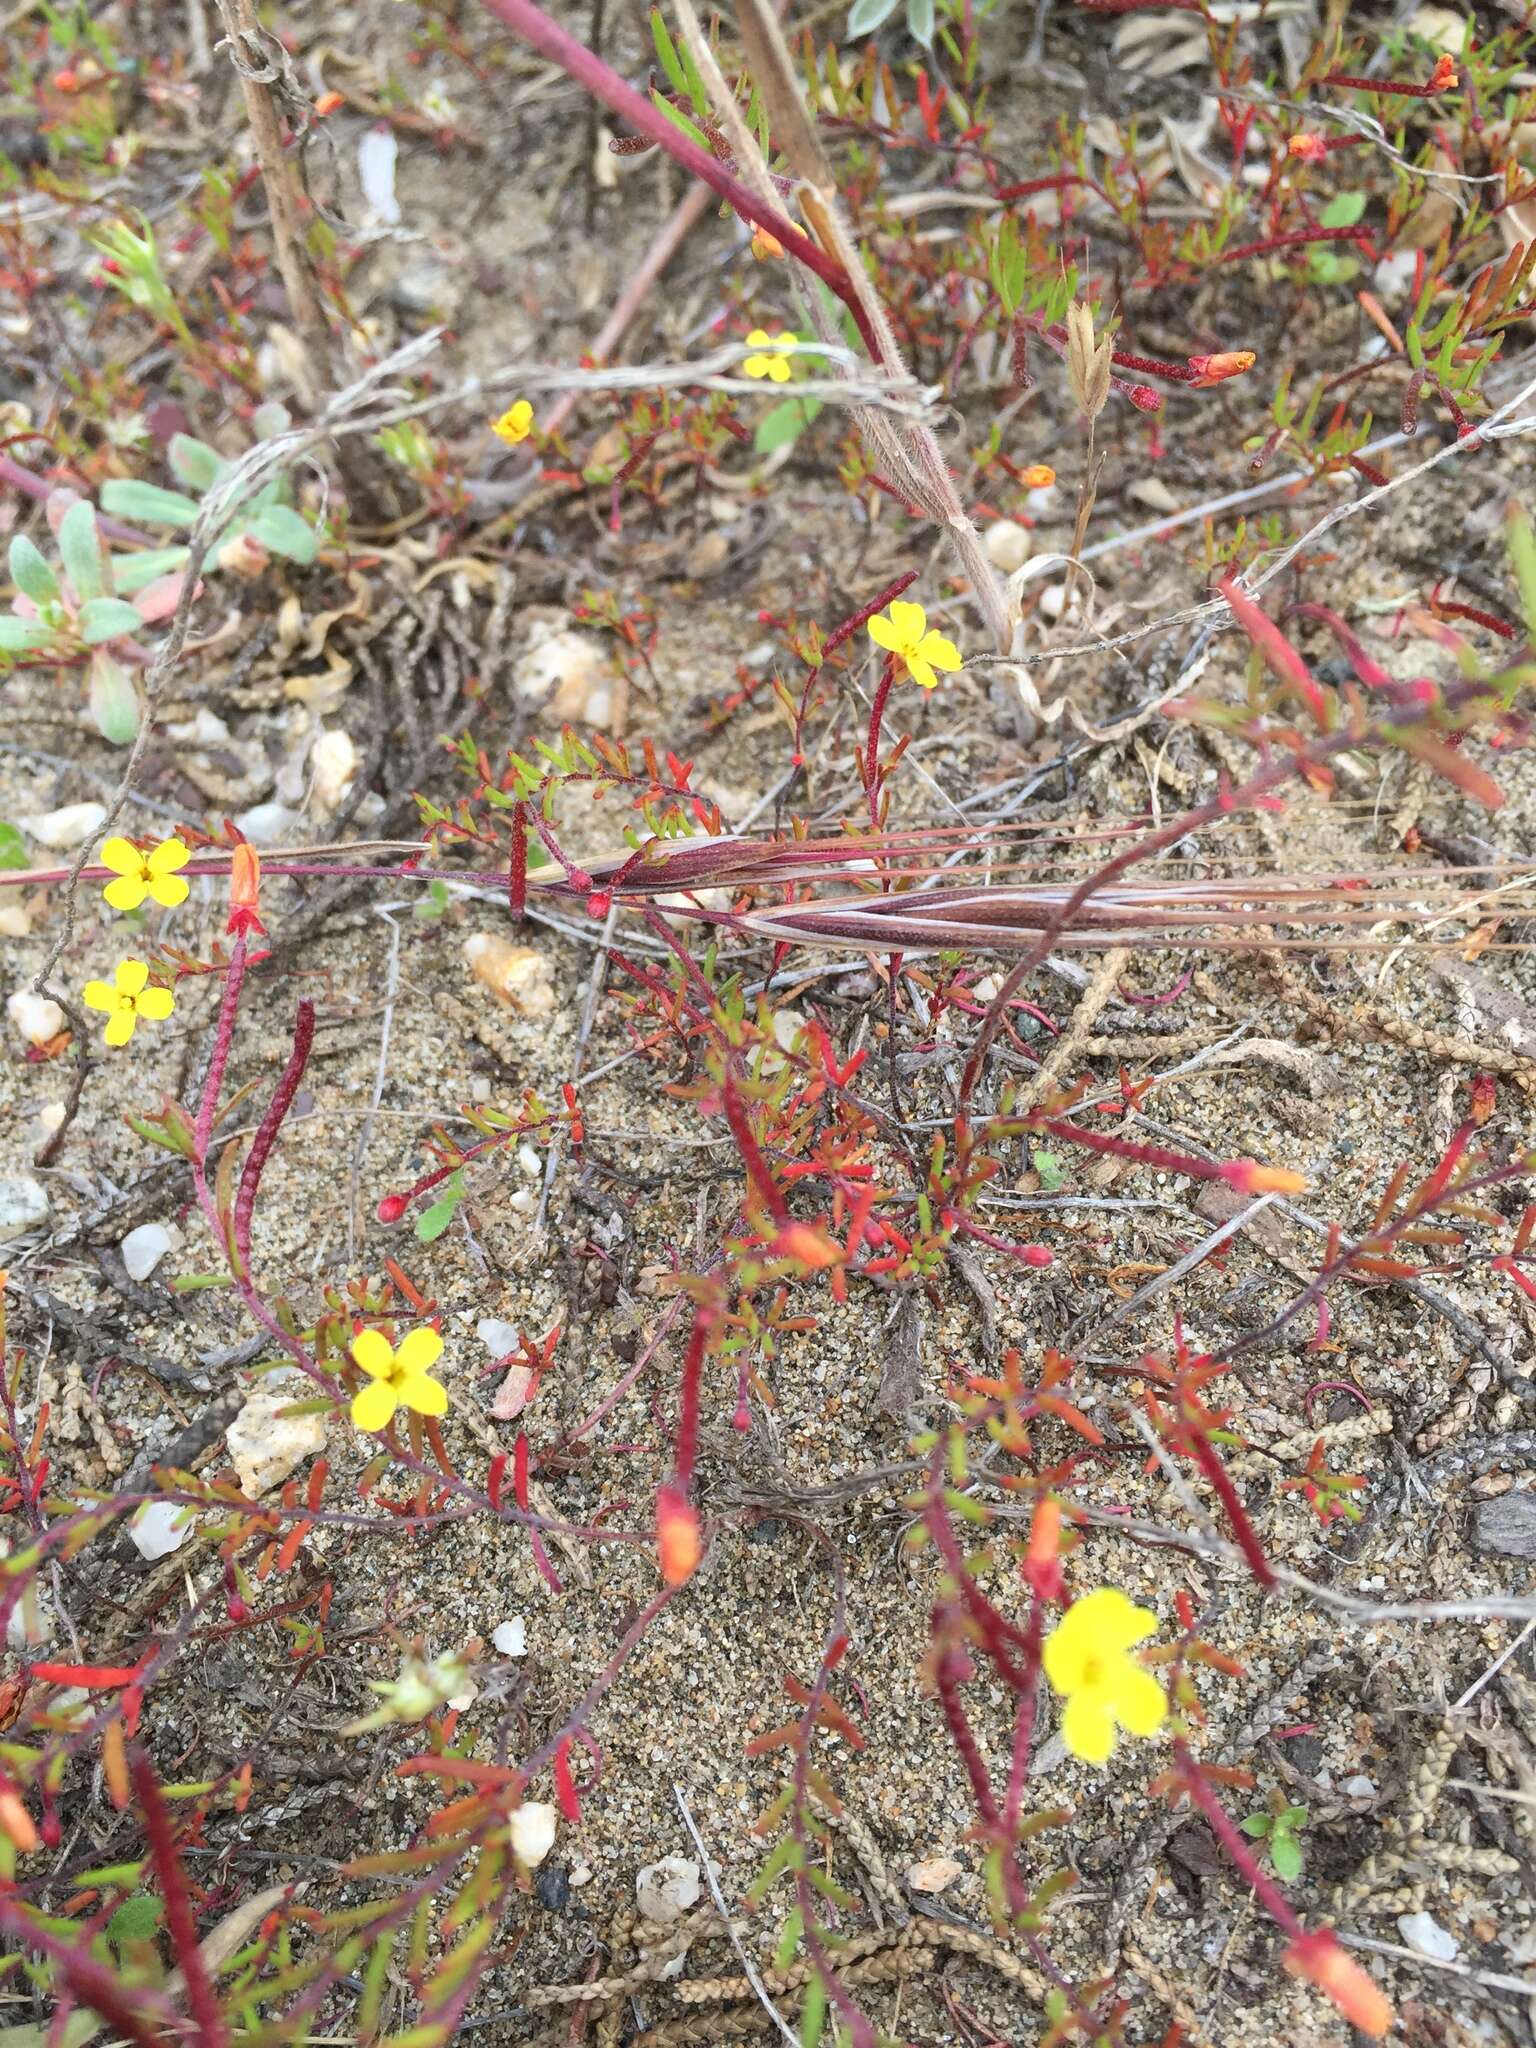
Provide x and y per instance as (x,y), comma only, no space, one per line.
(677,1536)
(1310,148)
(807,1246)
(328,102)
(765,245)
(16,1822)
(1218,368)
(1249,1178)
(1038,477)
(1444,76)
(245,891)
(1318,1957)
(1042,1559)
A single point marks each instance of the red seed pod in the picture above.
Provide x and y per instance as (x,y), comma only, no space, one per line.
(1411,395)
(392,1208)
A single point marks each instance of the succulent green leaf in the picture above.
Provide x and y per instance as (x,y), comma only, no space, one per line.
(13,848)
(1285,1855)
(868,15)
(127,498)
(131,573)
(284,532)
(80,551)
(104,618)
(1343,210)
(786,422)
(920,22)
(20,636)
(30,572)
(114,700)
(195,464)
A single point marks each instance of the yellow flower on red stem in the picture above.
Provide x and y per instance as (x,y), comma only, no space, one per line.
(905,633)
(772,359)
(1087,1658)
(515,424)
(397,1379)
(127,998)
(151,874)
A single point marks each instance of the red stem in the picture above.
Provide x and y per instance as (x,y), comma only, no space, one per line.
(872,745)
(181,1923)
(266,1135)
(1269,1895)
(222,1039)
(589,70)
(751,1155)
(91,1983)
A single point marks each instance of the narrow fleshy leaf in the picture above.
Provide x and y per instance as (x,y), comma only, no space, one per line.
(104,618)
(147,504)
(80,551)
(30,572)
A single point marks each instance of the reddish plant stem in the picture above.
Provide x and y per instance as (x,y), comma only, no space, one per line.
(33,486)
(686,1448)
(751,1154)
(223,1037)
(517,864)
(1294,240)
(951,1667)
(1204,1454)
(1400,88)
(1269,1895)
(589,71)
(91,1983)
(271,1124)
(872,744)
(181,1922)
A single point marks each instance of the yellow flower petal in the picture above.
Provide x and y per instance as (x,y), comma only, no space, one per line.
(759,338)
(1088,1726)
(884,634)
(1141,1705)
(373,1406)
(920,672)
(939,652)
(1117,1623)
(515,424)
(131,976)
(127,892)
(426,1395)
(120,1026)
(419,1350)
(1067,1651)
(167,890)
(99,995)
(122,857)
(371,1350)
(757,366)
(910,621)
(778,370)
(155,1003)
(169,855)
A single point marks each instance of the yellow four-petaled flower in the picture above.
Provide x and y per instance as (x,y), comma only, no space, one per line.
(127,998)
(905,633)
(397,1379)
(773,353)
(1087,1658)
(515,424)
(151,874)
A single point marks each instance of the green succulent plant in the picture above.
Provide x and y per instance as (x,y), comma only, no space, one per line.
(267,519)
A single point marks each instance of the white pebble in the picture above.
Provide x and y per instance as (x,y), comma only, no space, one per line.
(144,1248)
(38,1018)
(377,150)
(71,826)
(265,1446)
(269,824)
(160,1527)
(499,1338)
(529,1161)
(1426,1937)
(1359,1788)
(511,1637)
(664,1891)
(934,1875)
(532,1829)
(23,1205)
(333,761)
(1006,545)
(15,920)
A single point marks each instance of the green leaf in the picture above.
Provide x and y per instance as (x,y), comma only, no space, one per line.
(1052,1174)
(284,532)
(1294,1817)
(20,636)
(13,848)
(30,573)
(1343,210)
(136,1920)
(868,15)
(113,698)
(1285,1855)
(195,464)
(80,550)
(130,573)
(813,2013)
(104,618)
(125,498)
(786,422)
(680,120)
(1257,1824)
(666,53)
(1520,539)
(431,1223)
(920,22)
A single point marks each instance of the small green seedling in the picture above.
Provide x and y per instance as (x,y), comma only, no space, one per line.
(1280,1829)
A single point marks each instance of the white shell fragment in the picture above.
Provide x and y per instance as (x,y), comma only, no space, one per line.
(144,1248)
(377,152)
(665,1891)
(510,1638)
(158,1528)
(532,1829)
(23,1206)
(71,826)
(265,1446)
(37,1018)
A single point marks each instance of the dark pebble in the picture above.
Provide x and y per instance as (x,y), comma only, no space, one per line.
(552,1887)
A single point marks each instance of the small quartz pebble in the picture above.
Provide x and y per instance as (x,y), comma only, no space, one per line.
(567,676)
(516,975)
(38,1018)
(937,1874)
(159,1527)
(71,826)
(1006,544)
(144,1248)
(15,920)
(1358,1788)
(664,1891)
(333,762)
(581,1875)
(266,1446)
(532,1828)
(512,1395)
(511,1637)
(377,151)
(499,1338)
(1426,1937)
(23,1205)
(270,824)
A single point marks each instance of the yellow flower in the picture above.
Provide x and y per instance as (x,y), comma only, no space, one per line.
(128,998)
(905,634)
(515,424)
(150,874)
(1087,1658)
(773,363)
(1038,477)
(398,1379)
